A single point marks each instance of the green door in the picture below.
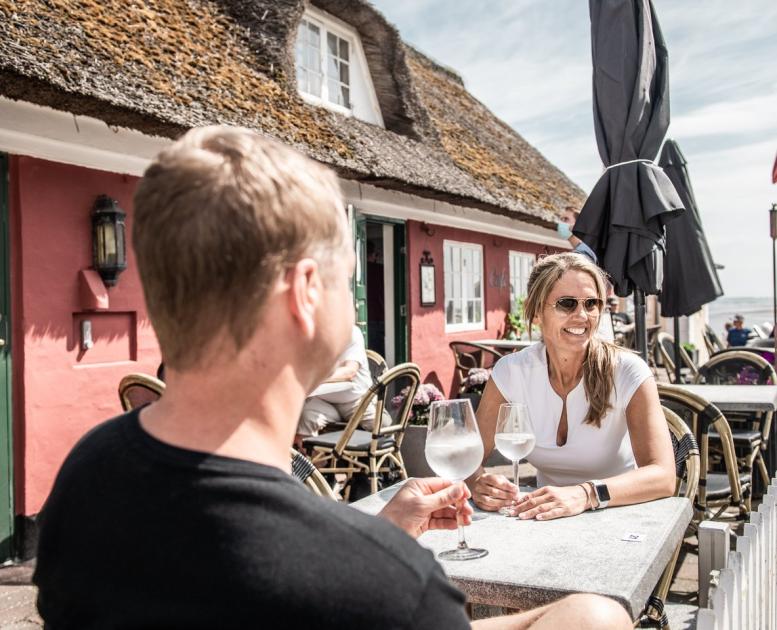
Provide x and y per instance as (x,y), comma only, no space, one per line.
(400,294)
(6,444)
(359,224)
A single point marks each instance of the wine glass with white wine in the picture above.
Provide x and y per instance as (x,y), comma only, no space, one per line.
(514,437)
(454,451)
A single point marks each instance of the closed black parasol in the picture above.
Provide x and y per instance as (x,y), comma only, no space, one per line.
(624,216)
(690,278)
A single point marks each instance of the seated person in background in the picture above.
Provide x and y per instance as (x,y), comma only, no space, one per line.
(622,323)
(597,419)
(564,229)
(352,368)
(738,334)
(199,481)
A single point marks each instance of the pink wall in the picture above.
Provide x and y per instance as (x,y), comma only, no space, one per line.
(61,391)
(428,339)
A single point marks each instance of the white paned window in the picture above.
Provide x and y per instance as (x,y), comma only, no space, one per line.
(323,63)
(331,67)
(309,75)
(463,273)
(520,268)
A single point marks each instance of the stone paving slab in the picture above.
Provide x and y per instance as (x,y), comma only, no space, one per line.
(17,598)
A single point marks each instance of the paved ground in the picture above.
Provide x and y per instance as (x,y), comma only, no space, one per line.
(17,598)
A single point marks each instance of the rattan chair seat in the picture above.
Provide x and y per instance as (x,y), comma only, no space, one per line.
(359,441)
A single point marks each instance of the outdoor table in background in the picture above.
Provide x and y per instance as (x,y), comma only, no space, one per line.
(744,399)
(505,346)
(531,563)
(330,388)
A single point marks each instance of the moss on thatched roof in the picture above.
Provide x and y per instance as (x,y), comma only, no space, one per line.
(162,66)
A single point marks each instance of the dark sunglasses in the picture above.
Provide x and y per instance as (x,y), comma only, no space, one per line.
(569,305)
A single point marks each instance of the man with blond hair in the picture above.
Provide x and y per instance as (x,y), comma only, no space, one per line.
(183,514)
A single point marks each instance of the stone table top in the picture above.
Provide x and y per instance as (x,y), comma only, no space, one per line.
(737,397)
(531,563)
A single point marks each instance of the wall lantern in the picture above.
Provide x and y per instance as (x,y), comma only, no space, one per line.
(109,255)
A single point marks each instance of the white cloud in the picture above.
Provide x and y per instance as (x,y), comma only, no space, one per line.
(752,115)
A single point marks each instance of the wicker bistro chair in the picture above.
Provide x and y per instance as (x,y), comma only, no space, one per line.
(353,451)
(737,367)
(666,349)
(686,458)
(138,389)
(470,354)
(305,471)
(749,431)
(711,340)
(376,363)
(717,491)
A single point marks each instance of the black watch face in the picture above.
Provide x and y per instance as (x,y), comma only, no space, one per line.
(602,493)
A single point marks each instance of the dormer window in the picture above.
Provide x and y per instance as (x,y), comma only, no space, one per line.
(331,67)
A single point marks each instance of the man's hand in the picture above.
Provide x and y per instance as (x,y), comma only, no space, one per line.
(431,503)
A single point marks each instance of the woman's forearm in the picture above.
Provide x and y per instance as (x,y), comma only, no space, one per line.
(646,483)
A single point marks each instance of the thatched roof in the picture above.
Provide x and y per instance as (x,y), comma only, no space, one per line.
(162,66)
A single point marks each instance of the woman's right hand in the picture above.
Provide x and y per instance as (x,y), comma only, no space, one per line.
(491,492)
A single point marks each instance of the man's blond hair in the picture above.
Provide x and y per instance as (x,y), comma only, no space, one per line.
(219,215)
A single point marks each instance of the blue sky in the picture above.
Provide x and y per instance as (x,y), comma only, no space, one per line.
(529,61)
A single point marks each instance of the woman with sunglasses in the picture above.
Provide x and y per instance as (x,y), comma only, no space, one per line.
(601,437)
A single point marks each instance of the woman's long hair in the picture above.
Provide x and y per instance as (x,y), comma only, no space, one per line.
(599,364)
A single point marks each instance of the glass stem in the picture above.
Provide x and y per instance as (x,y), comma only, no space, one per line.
(515,475)
(462,541)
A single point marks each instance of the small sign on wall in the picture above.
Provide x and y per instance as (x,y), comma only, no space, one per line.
(428,289)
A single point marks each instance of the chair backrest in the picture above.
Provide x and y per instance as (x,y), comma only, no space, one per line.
(711,340)
(666,348)
(304,470)
(686,455)
(471,354)
(702,416)
(376,363)
(138,389)
(392,394)
(738,367)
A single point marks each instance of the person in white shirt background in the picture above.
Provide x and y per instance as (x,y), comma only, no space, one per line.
(601,437)
(353,369)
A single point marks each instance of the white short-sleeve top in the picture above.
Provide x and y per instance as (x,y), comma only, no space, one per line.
(590,452)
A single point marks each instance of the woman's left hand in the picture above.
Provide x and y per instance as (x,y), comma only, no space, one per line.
(551,502)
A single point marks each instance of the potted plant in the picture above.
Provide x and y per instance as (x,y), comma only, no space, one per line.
(474,384)
(692,351)
(414,442)
(515,327)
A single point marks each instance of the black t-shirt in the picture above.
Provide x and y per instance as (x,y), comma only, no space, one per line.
(140,534)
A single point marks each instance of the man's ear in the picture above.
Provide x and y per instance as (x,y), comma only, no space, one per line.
(305,294)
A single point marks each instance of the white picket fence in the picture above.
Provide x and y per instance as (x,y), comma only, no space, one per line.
(742,582)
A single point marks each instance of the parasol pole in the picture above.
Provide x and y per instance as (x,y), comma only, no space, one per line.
(677,368)
(640,330)
(773,233)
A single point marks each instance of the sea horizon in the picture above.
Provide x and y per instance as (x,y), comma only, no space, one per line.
(756,310)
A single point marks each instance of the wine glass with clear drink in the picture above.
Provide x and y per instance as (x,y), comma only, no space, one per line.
(514,436)
(454,451)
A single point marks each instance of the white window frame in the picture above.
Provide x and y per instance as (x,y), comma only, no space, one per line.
(357,68)
(520,264)
(465,292)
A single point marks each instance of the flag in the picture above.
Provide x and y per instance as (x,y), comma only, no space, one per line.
(774,171)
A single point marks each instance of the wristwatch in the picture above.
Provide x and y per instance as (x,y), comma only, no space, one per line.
(602,494)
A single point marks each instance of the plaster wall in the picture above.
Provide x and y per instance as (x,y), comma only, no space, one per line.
(60,390)
(428,339)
